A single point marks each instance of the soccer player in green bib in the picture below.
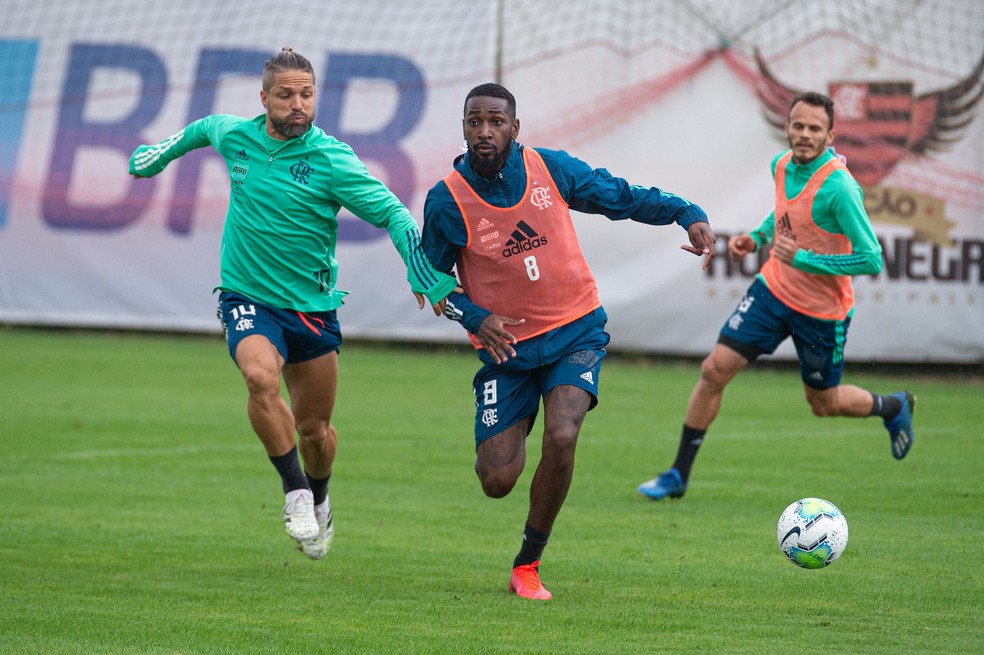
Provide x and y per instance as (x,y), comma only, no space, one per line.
(278,298)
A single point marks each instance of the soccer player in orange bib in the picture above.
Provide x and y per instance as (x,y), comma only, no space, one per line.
(529,301)
(821,237)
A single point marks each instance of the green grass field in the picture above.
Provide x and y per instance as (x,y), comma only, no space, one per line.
(140,515)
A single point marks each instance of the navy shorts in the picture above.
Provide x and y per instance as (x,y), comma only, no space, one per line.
(506,396)
(298,336)
(761,322)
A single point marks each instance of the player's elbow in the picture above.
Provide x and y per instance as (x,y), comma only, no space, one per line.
(875,263)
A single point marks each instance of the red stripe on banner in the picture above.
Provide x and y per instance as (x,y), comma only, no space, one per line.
(875,131)
(900,104)
(609,112)
(874,149)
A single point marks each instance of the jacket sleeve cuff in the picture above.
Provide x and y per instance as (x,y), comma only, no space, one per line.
(693,214)
(440,291)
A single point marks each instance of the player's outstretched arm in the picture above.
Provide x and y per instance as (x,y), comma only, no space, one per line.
(149,160)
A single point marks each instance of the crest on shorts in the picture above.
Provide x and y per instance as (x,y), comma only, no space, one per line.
(879,123)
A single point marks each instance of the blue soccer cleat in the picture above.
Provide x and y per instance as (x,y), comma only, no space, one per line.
(668,483)
(900,426)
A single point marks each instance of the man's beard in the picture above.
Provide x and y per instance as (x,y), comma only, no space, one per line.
(290,130)
(815,151)
(488,168)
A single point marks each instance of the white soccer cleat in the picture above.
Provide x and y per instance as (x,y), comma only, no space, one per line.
(299,519)
(318,547)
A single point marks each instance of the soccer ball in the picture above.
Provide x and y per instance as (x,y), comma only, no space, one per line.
(812,533)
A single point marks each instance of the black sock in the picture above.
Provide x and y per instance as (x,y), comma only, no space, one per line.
(318,487)
(690,441)
(885,406)
(534,542)
(290,471)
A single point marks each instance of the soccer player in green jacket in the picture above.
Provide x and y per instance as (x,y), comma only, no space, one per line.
(821,237)
(278,298)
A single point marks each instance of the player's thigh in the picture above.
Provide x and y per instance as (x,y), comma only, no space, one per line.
(564,409)
(311,371)
(570,391)
(312,386)
(260,364)
(503,454)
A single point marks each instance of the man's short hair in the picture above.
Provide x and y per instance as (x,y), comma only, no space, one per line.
(493,90)
(817,100)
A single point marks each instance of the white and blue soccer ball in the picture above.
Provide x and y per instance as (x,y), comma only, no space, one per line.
(812,533)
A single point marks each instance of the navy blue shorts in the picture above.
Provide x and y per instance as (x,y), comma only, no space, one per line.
(505,396)
(298,336)
(761,322)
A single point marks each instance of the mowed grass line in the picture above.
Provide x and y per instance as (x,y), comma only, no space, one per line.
(140,515)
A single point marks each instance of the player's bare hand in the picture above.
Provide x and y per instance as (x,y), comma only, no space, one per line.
(437,307)
(421,301)
(785,248)
(701,241)
(496,339)
(740,245)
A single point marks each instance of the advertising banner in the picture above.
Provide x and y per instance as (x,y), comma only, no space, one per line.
(664,95)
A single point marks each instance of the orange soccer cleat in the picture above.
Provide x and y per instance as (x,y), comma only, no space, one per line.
(525,582)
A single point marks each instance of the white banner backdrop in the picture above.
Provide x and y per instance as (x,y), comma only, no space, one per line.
(644,89)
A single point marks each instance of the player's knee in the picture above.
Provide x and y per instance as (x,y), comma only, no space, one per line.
(559,445)
(315,432)
(260,381)
(496,483)
(822,406)
(497,487)
(712,372)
